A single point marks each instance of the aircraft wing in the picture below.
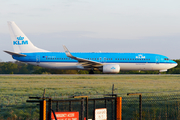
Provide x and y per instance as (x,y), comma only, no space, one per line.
(83,62)
(17,54)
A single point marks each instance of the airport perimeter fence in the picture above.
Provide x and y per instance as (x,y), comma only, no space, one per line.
(154,107)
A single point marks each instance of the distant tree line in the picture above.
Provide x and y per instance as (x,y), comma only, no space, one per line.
(23,68)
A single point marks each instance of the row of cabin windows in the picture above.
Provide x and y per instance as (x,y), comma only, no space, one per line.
(94,59)
(58,58)
(130,59)
(71,58)
(98,58)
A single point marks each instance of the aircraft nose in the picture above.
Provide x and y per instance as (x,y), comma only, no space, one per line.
(175,64)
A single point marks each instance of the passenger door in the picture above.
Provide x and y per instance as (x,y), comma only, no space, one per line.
(37,59)
(157,59)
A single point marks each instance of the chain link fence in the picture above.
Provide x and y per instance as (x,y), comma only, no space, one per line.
(154,107)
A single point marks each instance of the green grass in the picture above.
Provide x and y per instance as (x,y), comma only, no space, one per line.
(15,89)
(17,85)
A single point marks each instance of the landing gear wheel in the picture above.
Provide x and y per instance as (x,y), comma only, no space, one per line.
(91,72)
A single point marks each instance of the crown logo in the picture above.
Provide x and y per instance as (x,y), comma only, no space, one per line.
(20,38)
(113,68)
(140,56)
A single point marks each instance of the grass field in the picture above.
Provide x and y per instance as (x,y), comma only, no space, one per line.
(56,85)
(15,89)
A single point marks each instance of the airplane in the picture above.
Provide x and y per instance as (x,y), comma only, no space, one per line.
(112,63)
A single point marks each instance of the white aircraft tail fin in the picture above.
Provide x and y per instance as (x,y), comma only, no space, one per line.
(20,42)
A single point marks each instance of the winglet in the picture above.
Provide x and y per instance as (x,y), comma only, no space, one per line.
(67,51)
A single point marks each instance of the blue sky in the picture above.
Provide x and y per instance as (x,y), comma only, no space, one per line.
(147,26)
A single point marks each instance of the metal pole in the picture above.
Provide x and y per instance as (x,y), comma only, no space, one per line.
(105,103)
(112,89)
(140,107)
(94,104)
(50,108)
(57,106)
(115,107)
(82,109)
(140,103)
(44,93)
(119,108)
(41,110)
(112,111)
(87,108)
(70,108)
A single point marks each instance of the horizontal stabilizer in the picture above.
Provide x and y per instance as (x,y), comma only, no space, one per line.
(17,54)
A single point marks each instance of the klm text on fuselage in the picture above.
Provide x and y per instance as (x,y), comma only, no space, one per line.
(20,41)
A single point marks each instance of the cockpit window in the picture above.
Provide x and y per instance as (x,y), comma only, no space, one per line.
(166,58)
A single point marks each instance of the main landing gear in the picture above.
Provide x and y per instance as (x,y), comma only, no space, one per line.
(91,72)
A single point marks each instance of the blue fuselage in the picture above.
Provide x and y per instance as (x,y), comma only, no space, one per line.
(98,57)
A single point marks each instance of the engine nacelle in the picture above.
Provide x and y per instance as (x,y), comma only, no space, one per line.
(111,68)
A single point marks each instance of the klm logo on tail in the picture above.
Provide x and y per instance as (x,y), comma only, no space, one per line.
(20,41)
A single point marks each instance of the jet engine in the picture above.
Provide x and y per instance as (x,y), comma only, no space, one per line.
(111,68)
